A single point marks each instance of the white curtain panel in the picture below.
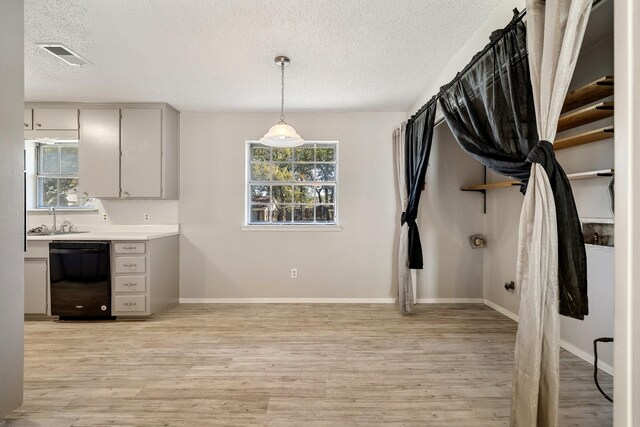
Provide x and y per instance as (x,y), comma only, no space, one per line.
(555,30)
(405,288)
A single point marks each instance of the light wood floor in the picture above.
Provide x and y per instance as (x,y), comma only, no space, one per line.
(287,365)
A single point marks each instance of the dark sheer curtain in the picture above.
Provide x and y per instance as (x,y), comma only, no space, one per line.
(490,109)
(419,136)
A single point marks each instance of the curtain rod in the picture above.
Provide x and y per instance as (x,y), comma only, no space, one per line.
(518,16)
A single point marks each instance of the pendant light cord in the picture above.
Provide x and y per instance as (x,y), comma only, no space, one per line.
(282,95)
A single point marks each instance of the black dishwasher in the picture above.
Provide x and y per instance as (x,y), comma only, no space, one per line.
(80,280)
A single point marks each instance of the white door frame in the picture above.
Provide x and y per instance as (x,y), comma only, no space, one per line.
(627,213)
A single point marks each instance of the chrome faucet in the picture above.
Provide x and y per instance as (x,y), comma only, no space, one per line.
(52,211)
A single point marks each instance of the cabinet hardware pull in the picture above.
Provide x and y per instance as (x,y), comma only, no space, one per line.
(130,265)
(129,247)
(26,125)
(129,284)
(129,304)
(38,124)
(126,193)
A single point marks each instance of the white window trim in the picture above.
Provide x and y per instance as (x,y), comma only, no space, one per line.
(248,226)
(37,174)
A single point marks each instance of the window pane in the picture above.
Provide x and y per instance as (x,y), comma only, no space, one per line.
(260,194)
(303,172)
(261,172)
(47,192)
(69,164)
(259,213)
(50,159)
(303,154)
(282,214)
(325,172)
(327,194)
(282,193)
(325,213)
(68,192)
(325,154)
(282,154)
(260,154)
(282,172)
(304,194)
(303,213)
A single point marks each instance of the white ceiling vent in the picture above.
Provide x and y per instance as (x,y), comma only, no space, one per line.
(62,52)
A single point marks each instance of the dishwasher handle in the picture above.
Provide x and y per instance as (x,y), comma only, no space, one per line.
(77,251)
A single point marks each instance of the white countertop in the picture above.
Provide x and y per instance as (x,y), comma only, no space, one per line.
(115,232)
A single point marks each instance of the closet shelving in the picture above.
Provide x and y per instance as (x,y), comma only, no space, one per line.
(580,107)
(571,176)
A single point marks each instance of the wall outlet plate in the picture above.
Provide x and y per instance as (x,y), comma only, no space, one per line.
(105,217)
(294,273)
(147,217)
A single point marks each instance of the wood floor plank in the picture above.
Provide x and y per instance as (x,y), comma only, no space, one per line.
(288,365)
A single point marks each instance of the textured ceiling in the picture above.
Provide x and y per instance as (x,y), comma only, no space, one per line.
(217,55)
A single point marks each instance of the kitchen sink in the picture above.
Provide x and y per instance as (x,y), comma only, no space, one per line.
(53,233)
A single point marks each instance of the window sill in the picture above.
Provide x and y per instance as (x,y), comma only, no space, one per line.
(291,228)
(46,210)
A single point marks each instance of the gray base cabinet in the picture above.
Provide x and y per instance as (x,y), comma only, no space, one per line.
(144,277)
(36,280)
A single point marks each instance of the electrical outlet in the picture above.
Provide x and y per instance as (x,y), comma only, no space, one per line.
(105,217)
(294,273)
(147,216)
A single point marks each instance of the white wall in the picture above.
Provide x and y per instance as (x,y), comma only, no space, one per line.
(11,214)
(447,218)
(218,260)
(119,212)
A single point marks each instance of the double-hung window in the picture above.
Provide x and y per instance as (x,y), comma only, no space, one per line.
(292,185)
(57,176)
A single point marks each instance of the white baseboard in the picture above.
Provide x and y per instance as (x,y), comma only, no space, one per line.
(325,301)
(502,310)
(564,344)
(287,300)
(586,356)
(449,301)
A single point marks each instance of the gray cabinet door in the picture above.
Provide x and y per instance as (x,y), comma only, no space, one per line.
(35,286)
(141,145)
(99,152)
(55,119)
(28,119)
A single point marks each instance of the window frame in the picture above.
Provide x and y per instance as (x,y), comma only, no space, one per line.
(292,224)
(39,167)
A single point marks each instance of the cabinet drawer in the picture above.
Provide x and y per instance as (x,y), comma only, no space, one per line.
(133,303)
(55,119)
(131,284)
(130,264)
(130,248)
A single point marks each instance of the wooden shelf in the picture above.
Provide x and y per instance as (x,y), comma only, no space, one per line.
(586,115)
(592,92)
(583,138)
(571,176)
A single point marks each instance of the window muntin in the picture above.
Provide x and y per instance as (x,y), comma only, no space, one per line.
(57,176)
(292,185)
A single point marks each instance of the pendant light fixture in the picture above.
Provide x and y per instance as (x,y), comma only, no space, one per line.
(281,134)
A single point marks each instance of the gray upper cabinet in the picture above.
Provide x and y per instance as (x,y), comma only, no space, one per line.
(55,119)
(125,150)
(99,152)
(28,119)
(141,145)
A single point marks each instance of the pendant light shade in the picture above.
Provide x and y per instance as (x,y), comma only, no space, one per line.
(281,134)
